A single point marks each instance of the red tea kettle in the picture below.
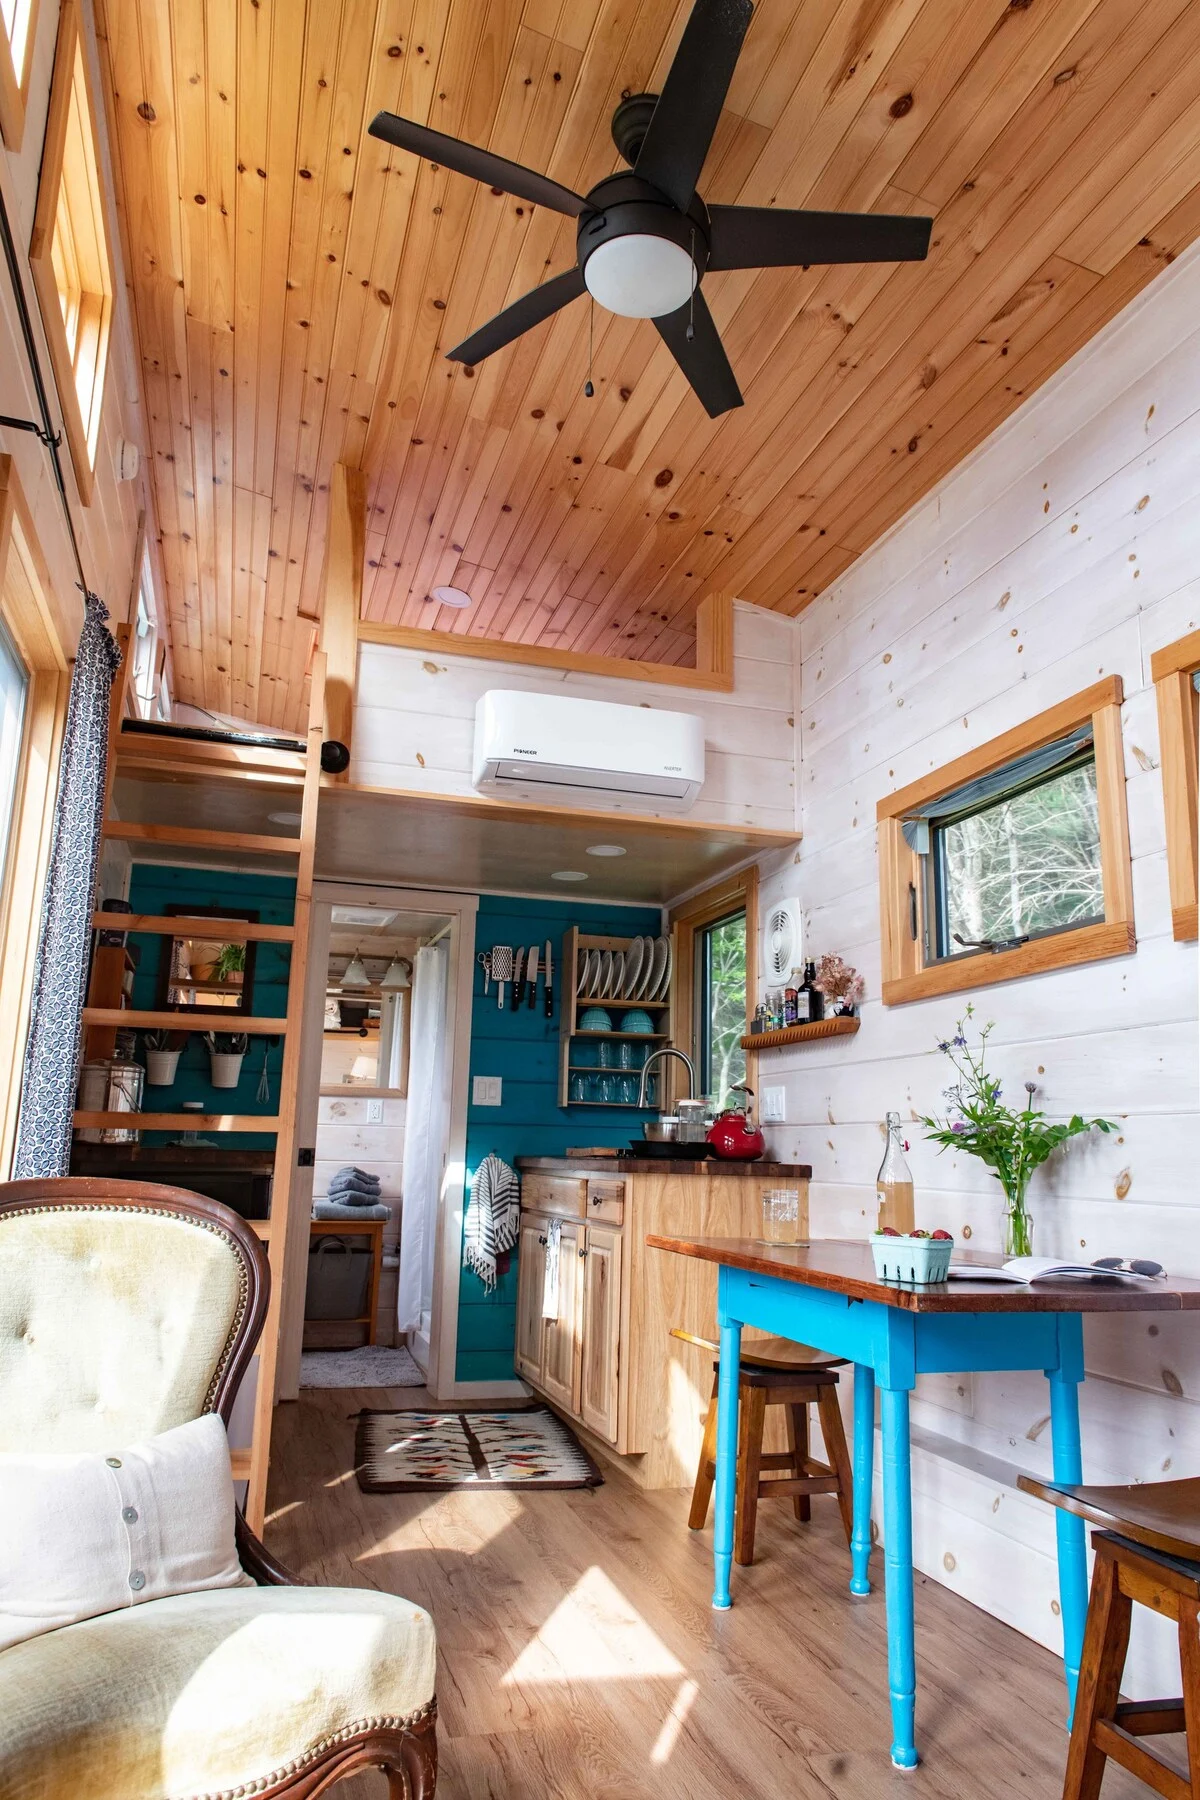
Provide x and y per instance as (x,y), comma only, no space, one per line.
(733,1135)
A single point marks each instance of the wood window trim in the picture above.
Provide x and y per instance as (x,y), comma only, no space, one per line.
(728,895)
(1171,669)
(99,306)
(905,975)
(27,615)
(14,82)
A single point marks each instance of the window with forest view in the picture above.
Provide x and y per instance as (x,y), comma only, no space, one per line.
(721,1002)
(1020,866)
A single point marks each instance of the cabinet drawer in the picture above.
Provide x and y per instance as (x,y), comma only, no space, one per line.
(565,1195)
(606,1202)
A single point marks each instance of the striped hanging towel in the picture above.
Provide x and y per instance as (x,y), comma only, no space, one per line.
(493,1218)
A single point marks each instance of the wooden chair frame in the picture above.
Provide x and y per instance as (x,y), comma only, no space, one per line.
(406,1753)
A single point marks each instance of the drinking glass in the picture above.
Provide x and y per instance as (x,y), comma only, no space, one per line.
(625,1050)
(628,1089)
(578,1088)
(606,1089)
(607,1054)
(781,1215)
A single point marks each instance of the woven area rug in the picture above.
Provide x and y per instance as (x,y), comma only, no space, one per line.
(372,1366)
(414,1452)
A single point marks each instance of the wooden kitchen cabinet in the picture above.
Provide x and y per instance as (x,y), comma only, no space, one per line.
(531,1271)
(562,1338)
(609,1363)
(601,1331)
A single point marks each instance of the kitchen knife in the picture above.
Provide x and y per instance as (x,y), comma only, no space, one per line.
(531,971)
(549,983)
(519,978)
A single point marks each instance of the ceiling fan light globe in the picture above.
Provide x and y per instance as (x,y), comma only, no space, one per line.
(639,276)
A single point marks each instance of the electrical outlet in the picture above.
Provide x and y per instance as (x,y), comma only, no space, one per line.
(773,1105)
(486,1090)
(374,1112)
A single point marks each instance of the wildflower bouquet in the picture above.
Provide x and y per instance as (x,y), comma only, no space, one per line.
(1013,1143)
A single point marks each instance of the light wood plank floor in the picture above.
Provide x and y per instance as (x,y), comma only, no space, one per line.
(580,1657)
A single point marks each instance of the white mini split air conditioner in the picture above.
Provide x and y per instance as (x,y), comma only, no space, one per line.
(587,752)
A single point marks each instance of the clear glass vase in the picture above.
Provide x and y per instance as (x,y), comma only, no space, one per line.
(1017,1226)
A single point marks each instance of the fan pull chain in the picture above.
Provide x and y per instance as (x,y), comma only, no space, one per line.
(691,324)
(588,389)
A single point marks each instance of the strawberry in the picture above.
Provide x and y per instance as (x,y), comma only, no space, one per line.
(918,1234)
(888,1231)
(943,1237)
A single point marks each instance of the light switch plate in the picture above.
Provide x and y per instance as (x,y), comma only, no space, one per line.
(374,1112)
(486,1090)
(773,1105)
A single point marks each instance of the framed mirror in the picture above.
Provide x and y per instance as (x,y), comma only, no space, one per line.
(207,973)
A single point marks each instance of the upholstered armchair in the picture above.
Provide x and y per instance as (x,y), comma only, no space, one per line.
(128,1308)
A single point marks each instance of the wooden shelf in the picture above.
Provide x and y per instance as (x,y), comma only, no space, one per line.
(234,930)
(180,1121)
(645,1037)
(625,1004)
(799,1034)
(129,1018)
(189,837)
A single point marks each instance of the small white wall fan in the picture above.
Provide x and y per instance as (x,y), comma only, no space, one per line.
(781,942)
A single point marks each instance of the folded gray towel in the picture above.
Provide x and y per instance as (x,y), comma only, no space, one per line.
(330,1209)
(351,1173)
(363,1184)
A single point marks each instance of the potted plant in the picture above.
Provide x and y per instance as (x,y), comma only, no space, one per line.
(230,963)
(843,987)
(225,1052)
(163,1050)
(1013,1143)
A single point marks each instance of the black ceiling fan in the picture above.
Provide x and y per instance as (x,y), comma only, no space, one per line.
(646,239)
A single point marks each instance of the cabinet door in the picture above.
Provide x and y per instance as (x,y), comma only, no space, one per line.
(560,1344)
(531,1273)
(601,1331)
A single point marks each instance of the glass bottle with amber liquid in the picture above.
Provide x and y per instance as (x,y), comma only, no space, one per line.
(894,1182)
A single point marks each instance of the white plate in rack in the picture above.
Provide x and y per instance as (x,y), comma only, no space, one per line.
(617,985)
(604,975)
(665,989)
(657,968)
(581,962)
(633,967)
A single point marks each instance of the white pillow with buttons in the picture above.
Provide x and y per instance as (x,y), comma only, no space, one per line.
(88,1534)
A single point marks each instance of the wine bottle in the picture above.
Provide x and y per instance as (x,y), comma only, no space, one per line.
(816,1000)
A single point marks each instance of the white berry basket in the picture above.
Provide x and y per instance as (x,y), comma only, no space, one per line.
(909,1261)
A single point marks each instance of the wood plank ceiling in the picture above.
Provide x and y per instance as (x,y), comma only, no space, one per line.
(296,285)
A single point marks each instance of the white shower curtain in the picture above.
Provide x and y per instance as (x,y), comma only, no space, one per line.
(426,1123)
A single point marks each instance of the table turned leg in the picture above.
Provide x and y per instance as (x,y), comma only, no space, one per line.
(727,1443)
(1068,1466)
(864,1474)
(897,1536)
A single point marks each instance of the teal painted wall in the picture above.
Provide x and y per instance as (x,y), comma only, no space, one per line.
(522,1048)
(153,887)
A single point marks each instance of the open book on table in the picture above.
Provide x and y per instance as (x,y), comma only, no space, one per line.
(1049,1268)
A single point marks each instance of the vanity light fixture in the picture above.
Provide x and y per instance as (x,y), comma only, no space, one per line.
(355,975)
(397,976)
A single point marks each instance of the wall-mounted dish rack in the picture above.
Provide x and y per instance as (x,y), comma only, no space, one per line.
(575,1044)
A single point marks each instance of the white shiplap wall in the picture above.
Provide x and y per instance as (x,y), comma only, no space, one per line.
(1066,548)
(414,719)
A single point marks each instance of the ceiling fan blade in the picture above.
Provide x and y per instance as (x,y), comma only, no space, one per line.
(682,126)
(768,237)
(481,165)
(520,317)
(702,356)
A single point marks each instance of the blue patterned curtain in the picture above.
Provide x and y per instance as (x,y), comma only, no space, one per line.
(64,941)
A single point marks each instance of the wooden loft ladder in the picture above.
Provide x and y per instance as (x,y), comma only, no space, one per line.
(133,753)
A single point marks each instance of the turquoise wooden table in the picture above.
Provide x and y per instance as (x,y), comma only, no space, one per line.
(827,1294)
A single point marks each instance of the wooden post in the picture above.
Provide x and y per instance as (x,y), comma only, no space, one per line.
(714,636)
(341,603)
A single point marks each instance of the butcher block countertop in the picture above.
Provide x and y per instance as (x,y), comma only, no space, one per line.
(712,1166)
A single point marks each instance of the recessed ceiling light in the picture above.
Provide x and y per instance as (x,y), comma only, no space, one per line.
(450,596)
(285,818)
(568,875)
(606,849)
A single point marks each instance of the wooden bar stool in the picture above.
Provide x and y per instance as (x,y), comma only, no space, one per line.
(1149,1553)
(775,1372)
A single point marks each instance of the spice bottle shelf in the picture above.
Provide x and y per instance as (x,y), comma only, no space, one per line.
(799,1034)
